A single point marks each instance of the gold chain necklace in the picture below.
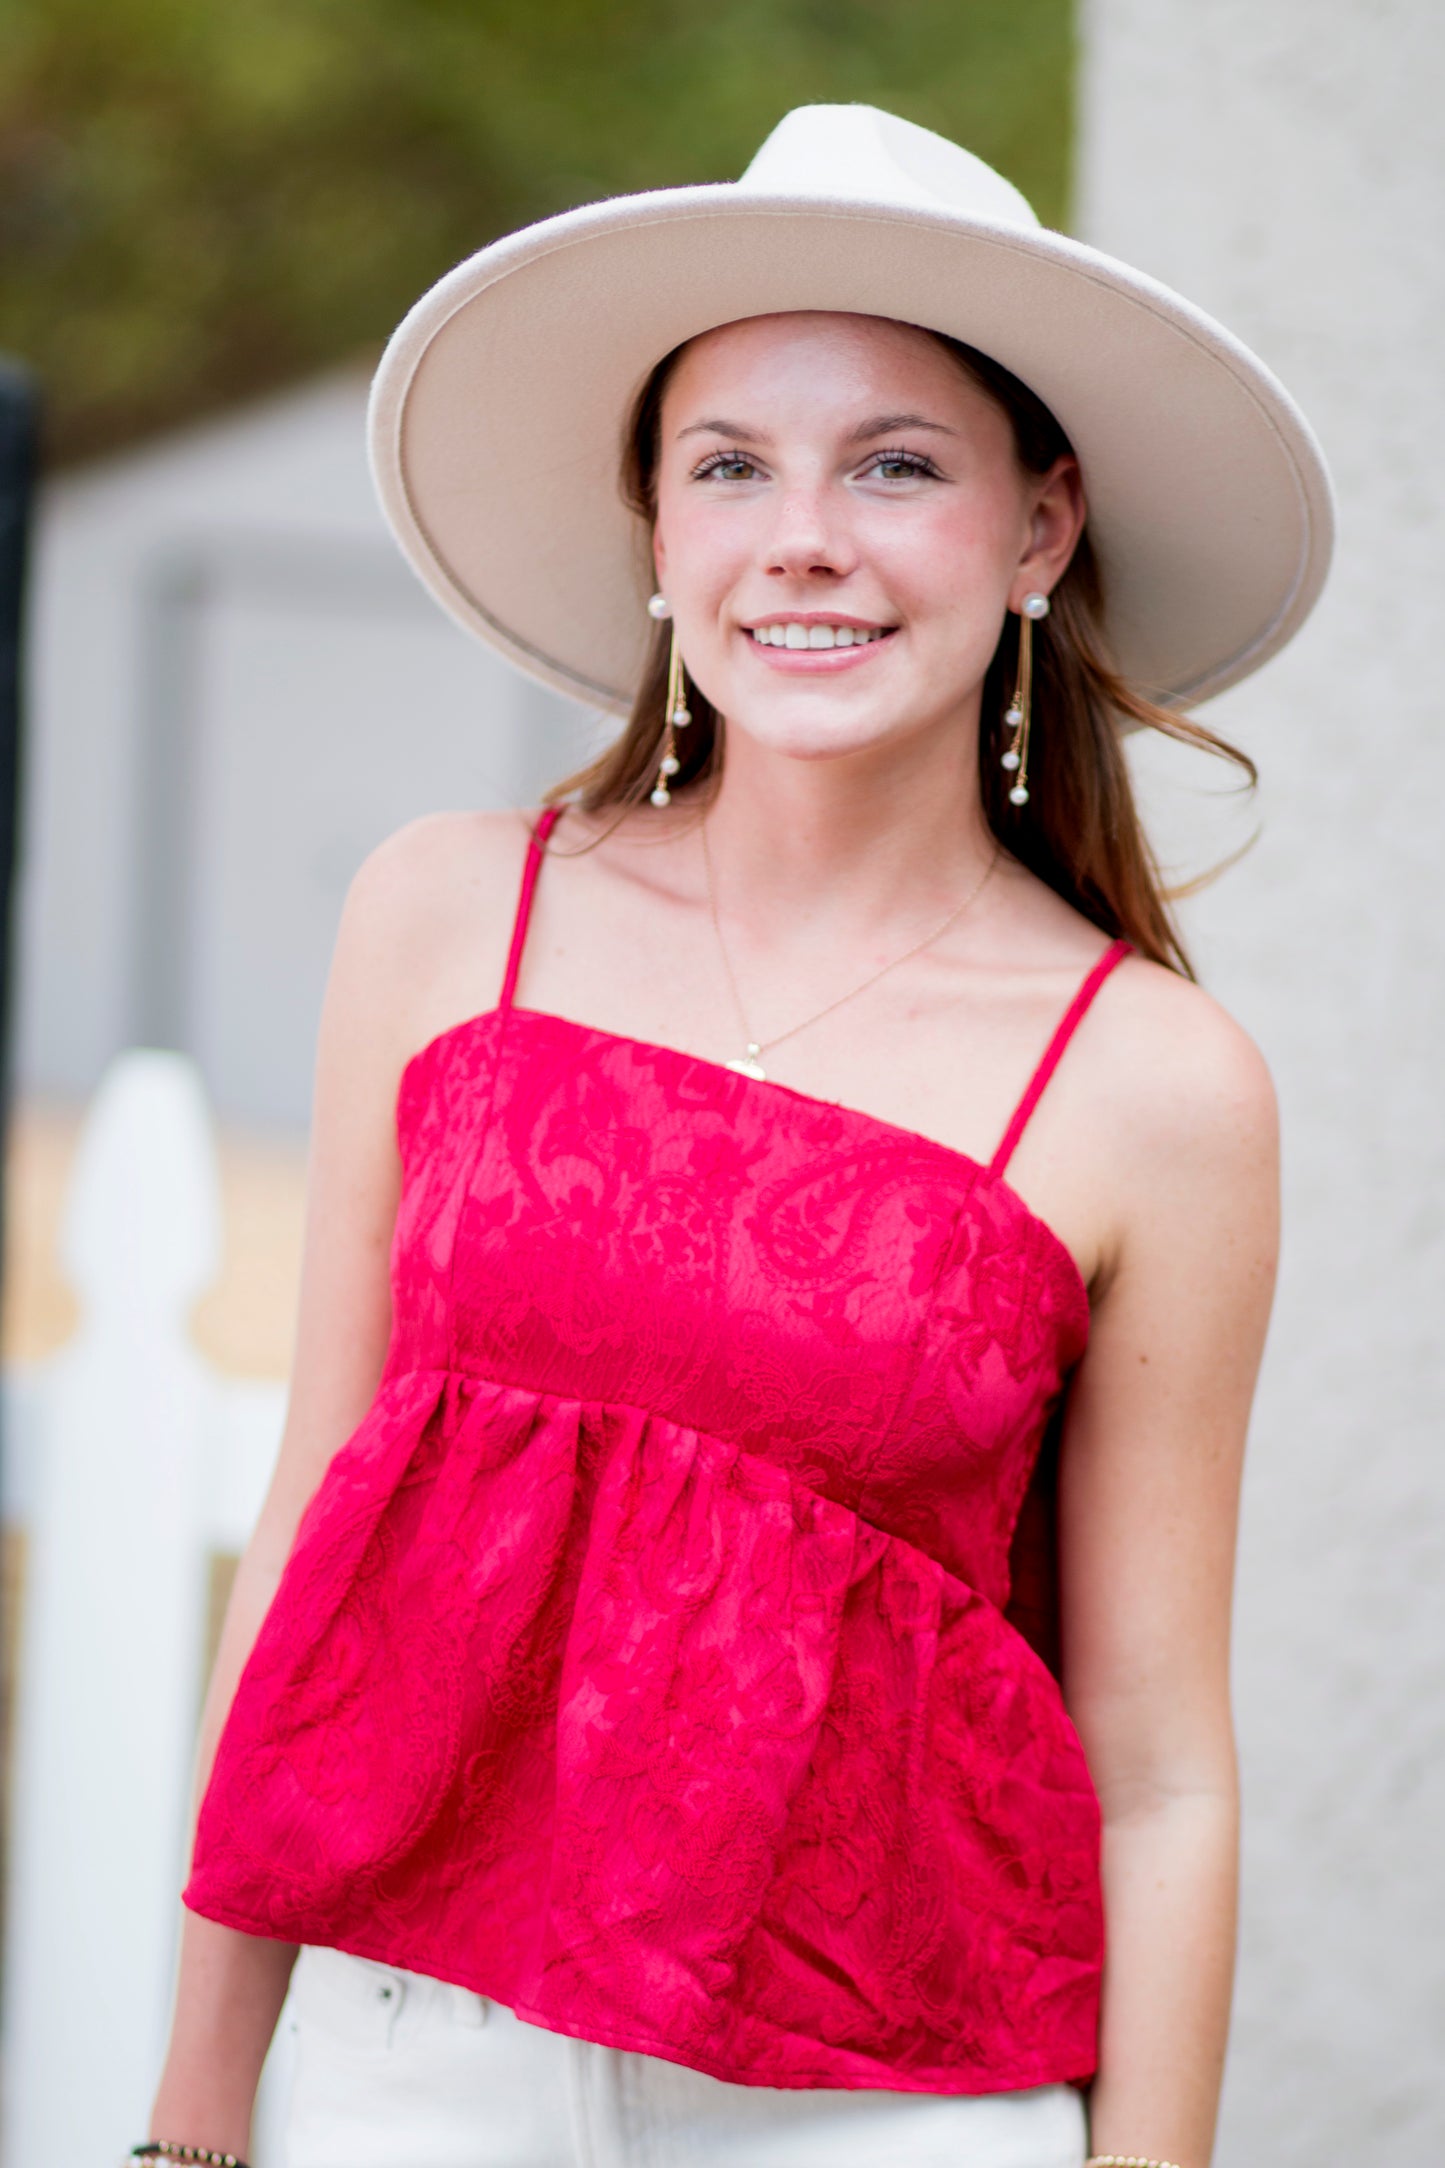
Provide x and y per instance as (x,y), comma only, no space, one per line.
(750,1063)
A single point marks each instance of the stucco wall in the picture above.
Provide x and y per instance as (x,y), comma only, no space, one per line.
(1284,165)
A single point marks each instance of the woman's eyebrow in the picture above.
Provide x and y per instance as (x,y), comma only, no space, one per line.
(883,425)
(723,428)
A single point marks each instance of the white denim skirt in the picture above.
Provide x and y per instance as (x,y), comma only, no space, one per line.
(394,2070)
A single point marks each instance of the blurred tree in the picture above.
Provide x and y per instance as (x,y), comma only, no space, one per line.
(198,204)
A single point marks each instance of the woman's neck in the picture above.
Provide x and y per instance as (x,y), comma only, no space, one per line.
(867,847)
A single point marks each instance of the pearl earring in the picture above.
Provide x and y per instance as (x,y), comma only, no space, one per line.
(676,713)
(1016,717)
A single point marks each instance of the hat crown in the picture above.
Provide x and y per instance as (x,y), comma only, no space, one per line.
(859,153)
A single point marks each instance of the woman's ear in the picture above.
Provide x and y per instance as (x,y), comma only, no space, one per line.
(1054,529)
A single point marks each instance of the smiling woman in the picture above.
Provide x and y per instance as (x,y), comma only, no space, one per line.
(743,1607)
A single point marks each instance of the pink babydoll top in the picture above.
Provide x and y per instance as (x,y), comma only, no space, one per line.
(641,1661)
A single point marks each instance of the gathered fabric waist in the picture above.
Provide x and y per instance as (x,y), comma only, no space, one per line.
(625,1415)
(596,1419)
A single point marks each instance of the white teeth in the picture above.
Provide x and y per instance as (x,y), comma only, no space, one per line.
(813,635)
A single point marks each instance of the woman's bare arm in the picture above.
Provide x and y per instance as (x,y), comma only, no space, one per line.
(1148,1510)
(420,944)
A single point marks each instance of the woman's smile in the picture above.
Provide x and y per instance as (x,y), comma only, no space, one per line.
(810,642)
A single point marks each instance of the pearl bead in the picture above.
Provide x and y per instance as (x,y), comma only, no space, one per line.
(1010,760)
(662,795)
(1036,606)
(1018,795)
(1013,716)
(658,606)
(669,764)
(681,717)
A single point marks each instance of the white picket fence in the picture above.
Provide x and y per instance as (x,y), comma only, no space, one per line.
(129,1464)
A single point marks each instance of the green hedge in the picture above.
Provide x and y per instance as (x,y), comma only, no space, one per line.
(200,203)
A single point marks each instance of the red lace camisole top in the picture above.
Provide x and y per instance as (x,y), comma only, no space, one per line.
(641,1661)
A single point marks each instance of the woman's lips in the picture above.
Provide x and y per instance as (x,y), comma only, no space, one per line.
(810,661)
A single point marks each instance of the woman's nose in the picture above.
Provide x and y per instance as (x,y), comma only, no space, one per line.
(808,536)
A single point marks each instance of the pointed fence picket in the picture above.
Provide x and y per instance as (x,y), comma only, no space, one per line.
(130,1464)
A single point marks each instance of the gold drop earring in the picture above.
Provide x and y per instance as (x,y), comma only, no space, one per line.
(1016,716)
(676,712)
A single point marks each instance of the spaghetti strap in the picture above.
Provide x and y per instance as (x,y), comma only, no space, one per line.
(1069,1023)
(530,871)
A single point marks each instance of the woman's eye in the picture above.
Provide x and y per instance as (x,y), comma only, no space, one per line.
(727,467)
(901,466)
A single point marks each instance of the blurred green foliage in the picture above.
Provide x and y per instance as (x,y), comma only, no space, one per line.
(200,203)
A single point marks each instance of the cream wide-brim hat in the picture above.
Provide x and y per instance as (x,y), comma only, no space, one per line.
(498,408)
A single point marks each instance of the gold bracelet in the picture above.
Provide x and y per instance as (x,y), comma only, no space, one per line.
(1125,2160)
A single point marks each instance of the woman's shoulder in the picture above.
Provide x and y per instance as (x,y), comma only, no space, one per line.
(1192,1095)
(420,867)
(1163,1061)
(427,920)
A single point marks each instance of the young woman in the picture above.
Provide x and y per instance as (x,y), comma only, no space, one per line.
(719,1665)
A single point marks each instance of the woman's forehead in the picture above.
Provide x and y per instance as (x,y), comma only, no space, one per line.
(816,352)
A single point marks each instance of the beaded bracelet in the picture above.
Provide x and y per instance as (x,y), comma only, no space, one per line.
(166,2149)
(1125,2160)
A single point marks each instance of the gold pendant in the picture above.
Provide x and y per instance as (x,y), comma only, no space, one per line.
(748,1064)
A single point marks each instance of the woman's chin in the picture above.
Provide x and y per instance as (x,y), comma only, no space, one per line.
(809,732)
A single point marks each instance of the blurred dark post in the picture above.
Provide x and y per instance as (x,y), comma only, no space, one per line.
(18,408)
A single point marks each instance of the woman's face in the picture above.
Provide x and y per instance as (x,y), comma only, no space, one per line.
(838,481)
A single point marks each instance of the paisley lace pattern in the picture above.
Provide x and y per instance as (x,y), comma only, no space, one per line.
(642,1661)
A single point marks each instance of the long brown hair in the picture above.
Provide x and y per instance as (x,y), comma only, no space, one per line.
(1081,831)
